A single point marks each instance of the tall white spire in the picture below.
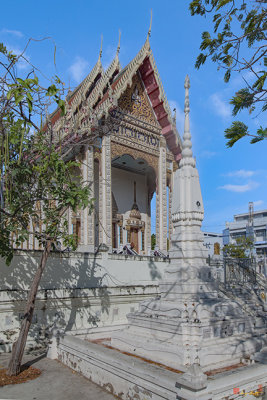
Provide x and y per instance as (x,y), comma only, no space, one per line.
(187,206)
(187,154)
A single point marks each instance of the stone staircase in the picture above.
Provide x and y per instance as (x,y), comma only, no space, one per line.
(251,298)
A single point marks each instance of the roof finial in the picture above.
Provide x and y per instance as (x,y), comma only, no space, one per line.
(150,26)
(174,116)
(100,52)
(119,44)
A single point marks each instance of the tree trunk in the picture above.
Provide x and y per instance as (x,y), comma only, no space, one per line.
(19,345)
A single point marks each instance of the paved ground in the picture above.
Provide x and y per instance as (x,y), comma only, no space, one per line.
(56,382)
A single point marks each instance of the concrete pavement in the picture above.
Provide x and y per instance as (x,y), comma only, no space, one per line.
(56,382)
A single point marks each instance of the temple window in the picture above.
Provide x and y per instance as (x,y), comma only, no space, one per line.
(217,248)
(76,228)
(121,234)
(142,240)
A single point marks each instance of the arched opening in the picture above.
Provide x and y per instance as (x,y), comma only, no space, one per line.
(153,221)
(133,185)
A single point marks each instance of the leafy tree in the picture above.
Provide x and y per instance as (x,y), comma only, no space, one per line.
(153,241)
(38,181)
(243,248)
(238,44)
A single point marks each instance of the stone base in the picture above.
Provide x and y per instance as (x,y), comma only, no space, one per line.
(212,332)
(261,356)
(130,377)
(183,349)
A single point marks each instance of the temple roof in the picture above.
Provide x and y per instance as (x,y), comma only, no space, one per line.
(101,90)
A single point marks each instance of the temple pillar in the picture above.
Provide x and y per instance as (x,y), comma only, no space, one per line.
(87,220)
(148,226)
(69,216)
(170,212)
(105,199)
(161,199)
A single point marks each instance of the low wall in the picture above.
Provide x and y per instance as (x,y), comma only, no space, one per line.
(80,293)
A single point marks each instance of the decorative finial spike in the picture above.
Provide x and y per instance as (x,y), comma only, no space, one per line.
(186,102)
(100,52)
(174,116)
(187,155)
(187,82)
(119,44)
(150,26)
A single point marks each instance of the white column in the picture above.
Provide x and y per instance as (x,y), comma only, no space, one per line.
(87,220)
(105,212)
(69,213)
(170,211)
(148,226)
(91,217)
(161,202)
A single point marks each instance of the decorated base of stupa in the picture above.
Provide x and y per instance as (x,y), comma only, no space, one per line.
(211,339)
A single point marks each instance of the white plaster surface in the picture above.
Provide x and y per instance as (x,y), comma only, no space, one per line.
(133,378)
(78,293)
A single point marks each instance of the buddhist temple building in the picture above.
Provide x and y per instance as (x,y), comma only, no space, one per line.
(130,148)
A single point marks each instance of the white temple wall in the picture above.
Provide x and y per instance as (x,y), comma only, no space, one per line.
(80,293)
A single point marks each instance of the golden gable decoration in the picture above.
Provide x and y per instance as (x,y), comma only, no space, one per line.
(135,101)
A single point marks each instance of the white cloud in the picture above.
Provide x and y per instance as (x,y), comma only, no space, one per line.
(208,154)
(258,203)
(241,173)
(179,116)
(78,69)
(240,188)
(220,106)
(12,32)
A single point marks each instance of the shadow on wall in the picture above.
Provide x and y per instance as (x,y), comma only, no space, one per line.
(72,295)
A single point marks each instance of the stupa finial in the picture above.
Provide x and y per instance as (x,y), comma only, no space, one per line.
(186,86)
(187,155)
(119,44)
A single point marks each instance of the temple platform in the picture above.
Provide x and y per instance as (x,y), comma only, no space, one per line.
(131,377)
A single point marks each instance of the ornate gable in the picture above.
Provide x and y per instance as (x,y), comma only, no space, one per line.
(135,101)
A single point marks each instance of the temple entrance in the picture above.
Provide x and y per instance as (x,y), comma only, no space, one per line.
(133,181)
(134,239)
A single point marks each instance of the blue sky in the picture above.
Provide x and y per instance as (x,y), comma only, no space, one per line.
(230,178)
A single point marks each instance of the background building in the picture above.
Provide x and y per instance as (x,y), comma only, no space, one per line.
(251,224)
(213,243)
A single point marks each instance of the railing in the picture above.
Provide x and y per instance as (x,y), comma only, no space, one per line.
(239,271)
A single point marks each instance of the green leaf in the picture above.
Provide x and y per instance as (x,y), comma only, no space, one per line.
(200,60)
(18,98)
(236,131)
(52,90)
(222,3)
(61,104)
(227,75)
(9,94)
